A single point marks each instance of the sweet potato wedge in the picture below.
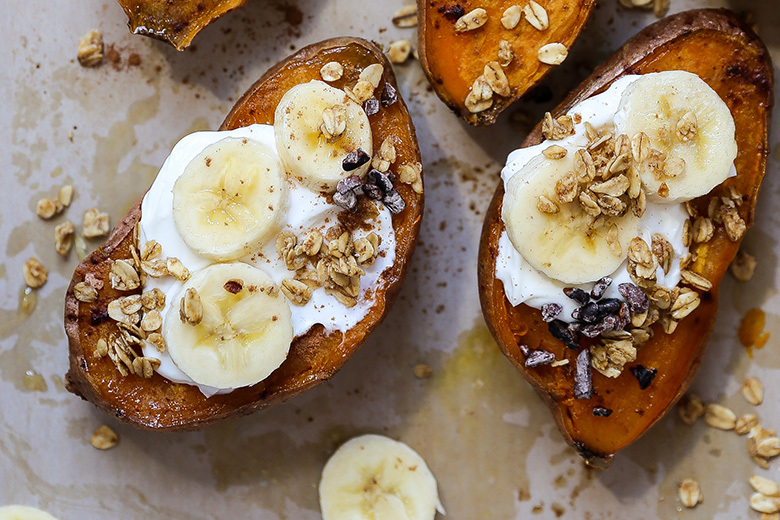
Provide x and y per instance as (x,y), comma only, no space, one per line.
(175,22)
(727,55)
(158,404)
(453,60)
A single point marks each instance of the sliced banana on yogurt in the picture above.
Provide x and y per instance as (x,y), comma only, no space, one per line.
(16,512)
(372,477)
(685,120)
(229,326)
(230,199)
(317,126)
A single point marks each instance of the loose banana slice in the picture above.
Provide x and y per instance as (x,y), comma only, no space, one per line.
(317,126)
(559,238)
(15,512)
(231,199)
(375,478)
(689,124)
(232,328)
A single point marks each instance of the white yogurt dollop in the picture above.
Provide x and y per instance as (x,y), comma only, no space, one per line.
(307,210)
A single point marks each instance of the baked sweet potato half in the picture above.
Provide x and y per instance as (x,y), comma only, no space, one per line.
(730,58)
(518,42)
(175,22)
(155,403)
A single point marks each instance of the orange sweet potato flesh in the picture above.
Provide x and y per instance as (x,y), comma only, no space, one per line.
(453,60)
(718,47)
(174,21)
(158,404)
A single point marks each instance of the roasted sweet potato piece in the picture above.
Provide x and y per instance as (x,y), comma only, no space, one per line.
(175,22)
(727,55)
(158,404)
(454,59)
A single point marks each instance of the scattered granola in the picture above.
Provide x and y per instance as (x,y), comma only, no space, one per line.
(690,408)
(399,51)
(689,492)
(406,17)
(720,417)
(65,195)
(746,423)
(63,237)
(753,391)
(95,223)
(422,371)
(743,266)
(34,273)
(123,276)
(104,438)
(84,292)
(191,307)
(505,53)
(90,50)
(764,486)
(48,208)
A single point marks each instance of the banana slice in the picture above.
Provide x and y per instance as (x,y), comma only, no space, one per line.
(688,122)
(23,513)
(316,127)
(231,199)
(561,239)
(233,327)
(375,478)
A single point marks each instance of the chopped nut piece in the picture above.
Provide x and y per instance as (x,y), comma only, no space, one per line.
(746,423)
(90,50)
(191,307)
(84,292)
(422,371)
(123,276)
(65,195)
(332,71)
(34,273)
(399,51)
(405,17)
(511,17)
(411,173)
(720,417)
(472,20)
(764,504)
(552,53)
(104,438)
(297,292)
(743,266)
(63,237)
(481,96)
(48,208)
(689,492)
(753,391)
(95,223)
(536,15)
(495,77)
(177,269)
(690,408)
(505,53)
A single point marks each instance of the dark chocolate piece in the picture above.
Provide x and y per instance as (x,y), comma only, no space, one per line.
(539,358)
(583,376)
(565,332)
(389,95)
(371,106)
(372,191)
(589,313)
(644,375)
(578,295)
(346,200)
(380,179)
(600,411)
(355,160)
(550,311)
(600,288)
(394,202)
(350,183)
(637,300)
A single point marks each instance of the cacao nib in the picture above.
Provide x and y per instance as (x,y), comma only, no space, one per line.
(355,160)
(583,377)
(380,179)
(524,350)
(98,314)
(550,311)
(350,183)
(452,12)
(538,358)
(607,324)
(578,295)
(394,202)
(234,286)
(389,95)
(589,313)
(600,411)
(565,332)
(609,306)
(372,191)
(644,375)
(346,200)
(637,300)
(600,288)
(371,106)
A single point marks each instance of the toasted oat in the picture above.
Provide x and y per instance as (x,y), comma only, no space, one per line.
(145,366)
(495,77)
(422,371)
(362,91)
(95,223)
(104,438)
(151,321)
(177,269)
(685,304)
(745,423)
(101,348)
(332,71)
(589,204)
(552,53)
(689,492)
(334,122)
(65,195)
(405,17)
(614,187)
(611,356)
(720,417)
(555,129)
(157,340)
(125,309)
(90,50)
(297,292)
(411,173)
(764,504)
(123,276)
(191,307)
(703,230)
(84,292)
(311,244)
(372,74)
(151,250)
(63,237)
(690,408)
(584,167)
(555,152)
(734,224)
(743,266)
(612,240)
(536,15)
(480,97)
(474,19)
(640,147)
(399,51)
(686,127)
(511,17)
(48,208)
(156,268)
(768,448)
(34,273)
(545,205)
(505,53)
(660,8)
(695,280)
(663,251)
(753,391)
(765,486)
(364,251)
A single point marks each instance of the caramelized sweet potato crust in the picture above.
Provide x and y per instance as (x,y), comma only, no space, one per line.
(158,404)
(718,47)
(453,60)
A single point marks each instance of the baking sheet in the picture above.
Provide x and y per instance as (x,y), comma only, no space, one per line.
(487,437)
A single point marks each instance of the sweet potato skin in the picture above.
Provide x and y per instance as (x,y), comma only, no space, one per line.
(175,22)
(718,47)
(158,404)
(452,61)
